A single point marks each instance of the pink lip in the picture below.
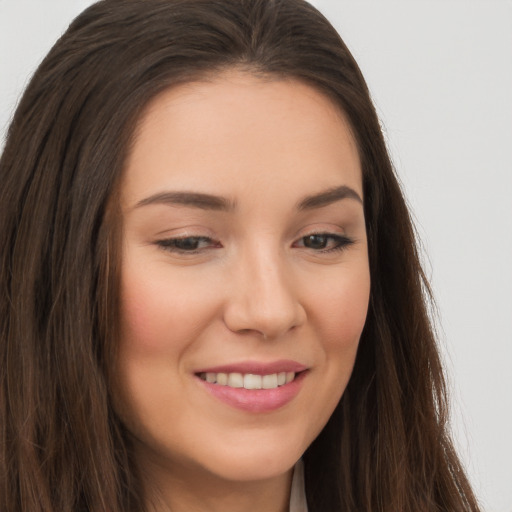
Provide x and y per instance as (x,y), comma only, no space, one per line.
(256,367)
(256,400)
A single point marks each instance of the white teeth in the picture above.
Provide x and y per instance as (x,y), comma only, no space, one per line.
(252,381)
(222,379)
(269,381)
(249,380)
(235,380)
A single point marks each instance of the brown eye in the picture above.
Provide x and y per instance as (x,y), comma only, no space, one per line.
(187,244)
(316,241)
(324,242)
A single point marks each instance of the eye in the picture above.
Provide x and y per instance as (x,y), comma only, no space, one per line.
(324,242)
(188,244)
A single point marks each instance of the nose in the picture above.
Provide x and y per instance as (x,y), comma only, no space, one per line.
(263,297)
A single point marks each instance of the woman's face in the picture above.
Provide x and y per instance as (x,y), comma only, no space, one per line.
(244,265)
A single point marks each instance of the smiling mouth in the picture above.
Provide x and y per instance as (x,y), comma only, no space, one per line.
(249,380)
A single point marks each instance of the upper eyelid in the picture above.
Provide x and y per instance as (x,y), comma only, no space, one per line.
(213,239)
(167,242)
(321,232)
(188,231)
(327,232)
(336,236)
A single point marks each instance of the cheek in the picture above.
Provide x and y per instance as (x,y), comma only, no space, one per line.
(139,317)
(342,314)
(342,311)
(155,317)
(337,314)
(344,327)
(153,339)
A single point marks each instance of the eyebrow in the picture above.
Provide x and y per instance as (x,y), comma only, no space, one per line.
(328,197)
(218,203)
(193,199)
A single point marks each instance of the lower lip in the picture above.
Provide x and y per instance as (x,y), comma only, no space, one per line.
(256,400)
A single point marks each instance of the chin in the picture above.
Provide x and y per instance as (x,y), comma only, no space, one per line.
(258,460)
(246,470)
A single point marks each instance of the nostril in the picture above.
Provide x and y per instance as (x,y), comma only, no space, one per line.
(263,306)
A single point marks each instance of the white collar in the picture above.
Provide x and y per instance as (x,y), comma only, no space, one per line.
(298,493)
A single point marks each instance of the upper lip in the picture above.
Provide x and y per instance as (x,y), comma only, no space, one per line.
(256,367)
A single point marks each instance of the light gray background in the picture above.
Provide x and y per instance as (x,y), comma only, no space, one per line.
(440,73)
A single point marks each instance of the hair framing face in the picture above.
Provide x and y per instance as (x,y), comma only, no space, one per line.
(384,448)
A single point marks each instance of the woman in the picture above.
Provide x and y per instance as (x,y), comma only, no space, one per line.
(210,273)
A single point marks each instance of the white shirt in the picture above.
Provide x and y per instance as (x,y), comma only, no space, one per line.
(298,493)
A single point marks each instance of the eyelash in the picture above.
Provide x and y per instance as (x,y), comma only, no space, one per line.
(341,241)
(173,244)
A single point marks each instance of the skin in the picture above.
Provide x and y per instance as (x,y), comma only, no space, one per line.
(254,288)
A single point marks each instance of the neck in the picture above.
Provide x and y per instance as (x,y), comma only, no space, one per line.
(192,489)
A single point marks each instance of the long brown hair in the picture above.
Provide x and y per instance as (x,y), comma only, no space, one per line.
(62,448)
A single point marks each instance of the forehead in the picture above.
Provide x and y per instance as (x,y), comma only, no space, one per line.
(238,129)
